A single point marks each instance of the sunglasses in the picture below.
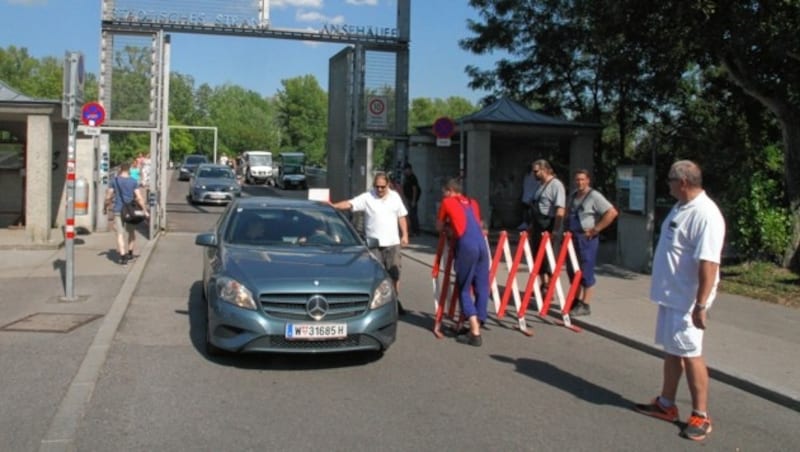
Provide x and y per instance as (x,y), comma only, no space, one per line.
(380,187)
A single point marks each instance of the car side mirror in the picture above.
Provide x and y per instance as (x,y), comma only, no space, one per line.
(206,239)
(372,242)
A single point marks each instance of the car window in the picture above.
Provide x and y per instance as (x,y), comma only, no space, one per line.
(220,173)
(196,159)
(288,227)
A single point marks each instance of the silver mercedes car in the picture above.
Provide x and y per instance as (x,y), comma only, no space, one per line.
(293,276)
(212,183)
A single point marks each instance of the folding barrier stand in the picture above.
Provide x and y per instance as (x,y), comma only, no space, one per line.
(533,287)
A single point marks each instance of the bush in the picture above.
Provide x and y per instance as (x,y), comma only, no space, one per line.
(761,229)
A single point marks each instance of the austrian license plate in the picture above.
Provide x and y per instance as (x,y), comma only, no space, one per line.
(217,196)
(314,331)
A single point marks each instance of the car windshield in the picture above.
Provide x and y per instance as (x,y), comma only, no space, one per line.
(195,159)
(292,169)
(260,160)
(283,226)
(218,173)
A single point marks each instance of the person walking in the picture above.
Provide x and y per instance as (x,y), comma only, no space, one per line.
(411,192)
(684,284)
(384,220)
(588,213)
(547,210)
(122,190)
(460,217)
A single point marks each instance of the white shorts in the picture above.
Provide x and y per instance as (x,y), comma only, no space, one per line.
(677,334)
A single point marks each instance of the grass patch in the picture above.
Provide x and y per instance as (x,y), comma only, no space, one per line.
(763,281)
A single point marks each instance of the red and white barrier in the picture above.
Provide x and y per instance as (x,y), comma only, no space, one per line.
(533,288)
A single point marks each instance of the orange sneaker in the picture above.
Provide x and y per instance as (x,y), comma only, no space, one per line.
(657,410)
(697,427)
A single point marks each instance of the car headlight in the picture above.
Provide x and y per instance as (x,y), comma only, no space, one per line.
(235,293)
(383,294)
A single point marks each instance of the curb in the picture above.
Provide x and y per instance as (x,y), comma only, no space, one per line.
(60,435)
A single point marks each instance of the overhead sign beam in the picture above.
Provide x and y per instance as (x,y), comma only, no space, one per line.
(378,38)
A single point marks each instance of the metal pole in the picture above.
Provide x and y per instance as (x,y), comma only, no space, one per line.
(215,145)
(69,230)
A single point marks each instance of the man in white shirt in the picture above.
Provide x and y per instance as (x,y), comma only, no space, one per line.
(384,213)
(684,284)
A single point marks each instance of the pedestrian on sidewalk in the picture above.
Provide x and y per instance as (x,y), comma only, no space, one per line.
(684,283)
(385,221)
(460,217)
(411,192)
(122,190)
(588,213)
(530,184)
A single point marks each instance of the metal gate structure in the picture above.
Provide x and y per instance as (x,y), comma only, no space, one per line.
(135,47)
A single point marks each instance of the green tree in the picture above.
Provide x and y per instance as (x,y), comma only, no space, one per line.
(424,111)
(625,59)
(302,113)
(244,120)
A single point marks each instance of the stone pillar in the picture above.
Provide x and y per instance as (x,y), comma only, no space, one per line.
(38,176)
(478,159)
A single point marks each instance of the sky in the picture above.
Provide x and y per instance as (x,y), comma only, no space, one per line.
(53,27)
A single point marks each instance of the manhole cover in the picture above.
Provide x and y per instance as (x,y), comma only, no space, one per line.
(50,322)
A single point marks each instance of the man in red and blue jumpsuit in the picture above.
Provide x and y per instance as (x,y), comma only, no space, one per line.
(460,217)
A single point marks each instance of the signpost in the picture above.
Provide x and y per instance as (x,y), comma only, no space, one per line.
(377,113)
(74,77)
(444,128)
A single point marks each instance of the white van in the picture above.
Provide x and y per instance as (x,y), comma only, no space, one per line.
(257,167)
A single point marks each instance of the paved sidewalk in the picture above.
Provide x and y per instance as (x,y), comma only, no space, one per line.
(749,344)
(52,347)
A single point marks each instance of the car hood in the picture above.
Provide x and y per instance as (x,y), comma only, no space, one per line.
(297,269)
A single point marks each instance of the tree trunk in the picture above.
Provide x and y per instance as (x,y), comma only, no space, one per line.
(790,122)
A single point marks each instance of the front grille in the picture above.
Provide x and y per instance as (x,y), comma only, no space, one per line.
(348,342)
(293,306)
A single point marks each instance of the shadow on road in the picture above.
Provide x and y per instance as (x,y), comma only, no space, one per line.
(567,382)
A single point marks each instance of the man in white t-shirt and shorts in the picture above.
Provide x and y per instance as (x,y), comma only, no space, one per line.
(684,284)
(384,220)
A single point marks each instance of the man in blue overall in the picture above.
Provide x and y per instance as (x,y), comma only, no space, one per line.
(460,217)
(589,212)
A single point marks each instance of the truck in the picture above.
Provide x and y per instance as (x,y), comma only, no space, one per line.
(292,170)
(257,167)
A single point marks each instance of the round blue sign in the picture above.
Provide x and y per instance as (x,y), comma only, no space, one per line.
(444,127)
(93,114)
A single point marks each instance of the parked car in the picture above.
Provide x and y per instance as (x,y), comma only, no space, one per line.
(213,183)
(293,276)
(189,164)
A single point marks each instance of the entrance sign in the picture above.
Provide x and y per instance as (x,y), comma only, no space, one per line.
(377,113)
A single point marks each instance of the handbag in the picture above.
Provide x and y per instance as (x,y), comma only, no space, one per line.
(131,213)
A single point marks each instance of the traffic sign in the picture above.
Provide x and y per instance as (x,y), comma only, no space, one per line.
(93,114)
(444,127)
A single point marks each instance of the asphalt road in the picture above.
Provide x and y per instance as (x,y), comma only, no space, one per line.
(556,390)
